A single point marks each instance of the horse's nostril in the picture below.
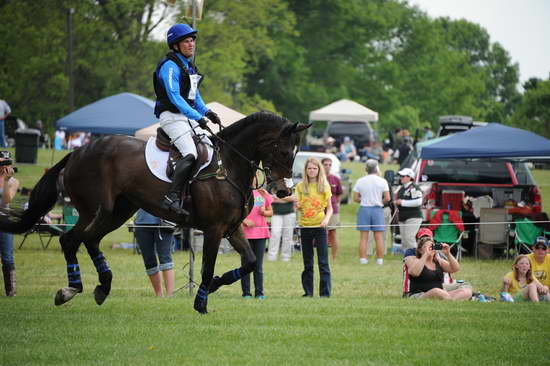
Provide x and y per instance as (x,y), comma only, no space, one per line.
(283,193)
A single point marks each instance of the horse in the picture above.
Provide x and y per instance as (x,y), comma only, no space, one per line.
(108,181)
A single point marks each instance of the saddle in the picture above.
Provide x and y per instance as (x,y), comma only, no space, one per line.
(164,144)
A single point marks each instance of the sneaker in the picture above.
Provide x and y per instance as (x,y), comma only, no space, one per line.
(261,297)
(363,260)
(247,297)
(285,259)
(379,261)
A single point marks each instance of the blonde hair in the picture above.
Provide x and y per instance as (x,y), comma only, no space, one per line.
(529,274)
(321,178)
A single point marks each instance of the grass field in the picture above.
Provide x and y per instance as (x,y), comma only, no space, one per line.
(365,321)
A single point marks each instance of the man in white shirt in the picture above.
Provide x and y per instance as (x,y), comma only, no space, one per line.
(371,192)
(5,111)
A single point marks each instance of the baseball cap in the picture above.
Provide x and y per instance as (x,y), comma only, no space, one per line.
(424,231)
(541,242)
(406,172)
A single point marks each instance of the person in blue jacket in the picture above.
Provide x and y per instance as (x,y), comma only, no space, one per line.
(179,106)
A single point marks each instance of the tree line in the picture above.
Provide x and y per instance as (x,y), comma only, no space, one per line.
(288,56)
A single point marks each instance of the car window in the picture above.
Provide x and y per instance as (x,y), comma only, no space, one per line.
(465,171)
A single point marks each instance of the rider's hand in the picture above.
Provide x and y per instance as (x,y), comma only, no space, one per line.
(203,122)
(213,116)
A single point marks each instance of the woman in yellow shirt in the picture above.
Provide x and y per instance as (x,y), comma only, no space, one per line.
(313,204)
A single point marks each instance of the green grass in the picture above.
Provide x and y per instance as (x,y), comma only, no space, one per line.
(365,321)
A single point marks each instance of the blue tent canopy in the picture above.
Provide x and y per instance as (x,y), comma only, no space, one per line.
(492,141)
(123,113)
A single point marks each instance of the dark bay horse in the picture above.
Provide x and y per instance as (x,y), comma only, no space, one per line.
(108,180)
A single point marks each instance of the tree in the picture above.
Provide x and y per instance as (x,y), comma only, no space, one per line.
(534,111)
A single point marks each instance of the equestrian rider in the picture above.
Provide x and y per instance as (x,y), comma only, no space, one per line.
(179,106)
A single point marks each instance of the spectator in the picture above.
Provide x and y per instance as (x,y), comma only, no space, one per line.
(540,262)
(156,242)
(282,228)
(408,201)
(521,284)
(315,208)
(404,150)
(5,111)
(371,192)
(7,191)
(59,140)
(336,191)
(428,134)
(256,231)
(348,152)
(426,271)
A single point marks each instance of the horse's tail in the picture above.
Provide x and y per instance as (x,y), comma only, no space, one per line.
(41,201)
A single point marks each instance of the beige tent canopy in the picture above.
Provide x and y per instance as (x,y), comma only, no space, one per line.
(344,110)
(227,115)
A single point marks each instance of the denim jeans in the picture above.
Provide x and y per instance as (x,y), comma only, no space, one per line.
(258,247)
(6,248)
(317,237)
(155,242)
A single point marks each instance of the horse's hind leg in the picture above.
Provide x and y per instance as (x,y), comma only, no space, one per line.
(248,262)
(70,243)
(104,223)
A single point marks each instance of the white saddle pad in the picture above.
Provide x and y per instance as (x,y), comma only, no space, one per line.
(157,160)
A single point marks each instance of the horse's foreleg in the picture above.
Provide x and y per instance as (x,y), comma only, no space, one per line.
(103,271)
(248,262)
(209,255)
(70,245)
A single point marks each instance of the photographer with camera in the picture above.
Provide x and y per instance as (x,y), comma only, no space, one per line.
(8,189)
(426,271)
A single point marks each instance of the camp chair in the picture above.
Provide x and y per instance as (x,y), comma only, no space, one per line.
(448,233)
(495,235)
(70,216)
(525,234)
(46,232)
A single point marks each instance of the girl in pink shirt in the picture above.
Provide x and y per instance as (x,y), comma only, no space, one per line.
(256,231)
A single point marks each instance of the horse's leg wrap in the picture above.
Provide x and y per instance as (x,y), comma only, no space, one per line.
(73,274)
(201,300)
(105,277)
(227,278)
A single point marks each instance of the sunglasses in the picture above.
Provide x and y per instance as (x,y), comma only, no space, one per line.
(540,247)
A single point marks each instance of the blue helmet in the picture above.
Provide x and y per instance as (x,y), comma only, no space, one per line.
(178,32)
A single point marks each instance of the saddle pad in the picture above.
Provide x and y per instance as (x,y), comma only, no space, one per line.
(157,160)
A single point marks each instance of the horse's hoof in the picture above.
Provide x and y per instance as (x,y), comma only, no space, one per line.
(99,295)
(65,294)
(200,306)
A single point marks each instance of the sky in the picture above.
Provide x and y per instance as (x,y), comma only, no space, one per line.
(522,27)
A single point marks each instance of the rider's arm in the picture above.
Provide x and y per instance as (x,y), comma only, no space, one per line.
(199,104)
(169,73)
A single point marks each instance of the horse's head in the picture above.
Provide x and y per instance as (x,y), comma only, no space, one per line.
(278,157)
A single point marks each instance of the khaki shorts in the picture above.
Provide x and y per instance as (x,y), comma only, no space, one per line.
(334,221)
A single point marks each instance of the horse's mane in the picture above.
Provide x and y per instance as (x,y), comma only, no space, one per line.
(267,119)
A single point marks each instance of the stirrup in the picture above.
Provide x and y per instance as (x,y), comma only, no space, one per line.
(174,206)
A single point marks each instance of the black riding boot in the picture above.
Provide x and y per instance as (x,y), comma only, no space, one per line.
(182,172)
(9,279)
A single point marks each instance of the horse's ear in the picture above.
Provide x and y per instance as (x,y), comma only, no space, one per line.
(301,127)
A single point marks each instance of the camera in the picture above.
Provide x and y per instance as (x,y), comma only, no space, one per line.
(6,159)
(437,246)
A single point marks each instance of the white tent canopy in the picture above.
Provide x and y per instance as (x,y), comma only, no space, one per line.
(344,110)
(227,115)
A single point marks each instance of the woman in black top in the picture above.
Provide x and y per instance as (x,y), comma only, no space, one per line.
(426,272)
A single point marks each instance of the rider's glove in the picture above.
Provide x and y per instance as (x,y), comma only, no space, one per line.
(213,116)
(202,122)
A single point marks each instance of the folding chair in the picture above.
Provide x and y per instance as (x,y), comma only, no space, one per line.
(525,234)
(493,229)
(70,216)
(46,232)
(448,232)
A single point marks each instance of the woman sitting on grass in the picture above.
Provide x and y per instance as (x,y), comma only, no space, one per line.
(426,272)
(521,284)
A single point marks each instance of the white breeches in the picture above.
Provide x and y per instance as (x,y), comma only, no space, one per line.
(178,128)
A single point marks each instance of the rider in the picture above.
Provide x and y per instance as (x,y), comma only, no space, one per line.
(179,106)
